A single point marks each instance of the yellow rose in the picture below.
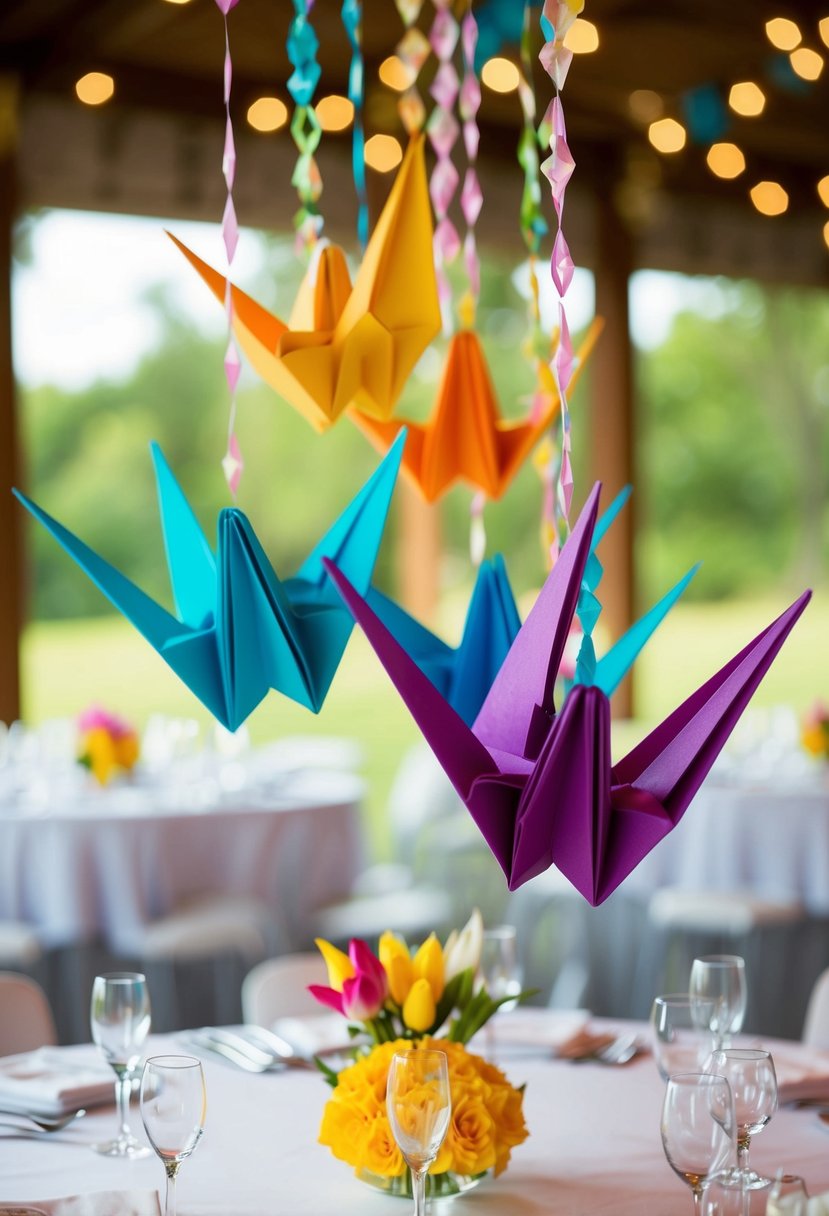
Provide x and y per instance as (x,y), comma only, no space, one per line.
(340,966)
(419,1006)
(814,739)
(126,750)
(470,1138)
(382,1156)
(345,1130)
(398,966)
(99,753)
(427,964)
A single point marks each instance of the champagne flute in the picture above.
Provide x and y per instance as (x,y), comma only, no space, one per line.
(419,1106)
(120,1021)
(697,1129)
(720,978)
(682,1041)
(750,1073)
(173,1106)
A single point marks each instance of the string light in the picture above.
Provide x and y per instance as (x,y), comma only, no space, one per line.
(783,33)
(667,135)
(645,105)
(823,190)
(726,160)
(334,112)
(582,38)
(823,30)
(806,63)
(769,198)
(394,74)
(95,88)
(500,75)
(826,233)
(383,153)
(267,114)
(747,99)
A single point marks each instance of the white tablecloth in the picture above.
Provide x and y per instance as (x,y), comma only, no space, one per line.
(594,1150)
(108,865)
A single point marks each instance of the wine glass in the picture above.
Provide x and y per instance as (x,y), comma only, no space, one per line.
(697,1129)
(750,1073)
(788,1196)
(120,1021)
(500,971)
(173,1106)
(682,1041)
(720,978)
(419,1106)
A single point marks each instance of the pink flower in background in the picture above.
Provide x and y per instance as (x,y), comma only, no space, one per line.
(97,718)
(363,995)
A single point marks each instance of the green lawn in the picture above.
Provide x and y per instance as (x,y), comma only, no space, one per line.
(68,665)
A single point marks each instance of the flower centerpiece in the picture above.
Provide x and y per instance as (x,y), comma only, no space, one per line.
(107,744)
(400,1000)
(814,734)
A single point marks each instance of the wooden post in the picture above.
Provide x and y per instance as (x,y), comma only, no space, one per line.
(10,546)
(612,422)
(418,553)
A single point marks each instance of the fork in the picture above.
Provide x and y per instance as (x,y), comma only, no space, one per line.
(44,1122)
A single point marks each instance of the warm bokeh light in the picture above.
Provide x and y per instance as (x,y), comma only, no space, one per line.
(667,135)
(334,112)
(769,198)
(823,29)
(747,99)
(394,74)
(500,75)
(267,114)
(823,190)
(806,63)
(826,233)
(646,105)
(783,33)
(582,37)
(178,1)
(383,153)
(726,160)
(95,88)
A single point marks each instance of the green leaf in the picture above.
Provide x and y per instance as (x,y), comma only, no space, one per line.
(331,1077)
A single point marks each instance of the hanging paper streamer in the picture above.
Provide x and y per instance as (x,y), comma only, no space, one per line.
(471,195)
(305,126)
(533,224)
(556,18)
(443,131)
(352,16)
(413,50)
(232,464)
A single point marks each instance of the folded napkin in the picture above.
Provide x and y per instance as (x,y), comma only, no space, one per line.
(315,1033)
(101,1203)
(546,1030)
(802,1072)
(54,1080)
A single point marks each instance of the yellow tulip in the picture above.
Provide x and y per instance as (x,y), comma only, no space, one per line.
(419,1006)
(340,966)
(427,964)
(398,966)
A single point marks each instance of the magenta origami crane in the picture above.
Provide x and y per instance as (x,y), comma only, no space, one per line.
(539,784)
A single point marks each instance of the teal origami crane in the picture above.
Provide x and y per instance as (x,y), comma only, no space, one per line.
(241,630)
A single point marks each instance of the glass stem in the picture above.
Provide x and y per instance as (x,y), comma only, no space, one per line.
(170,1190)
(696,1192)
(742,1154)
(123,1090)
(418,1190)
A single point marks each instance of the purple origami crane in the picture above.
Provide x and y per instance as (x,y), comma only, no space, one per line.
(539,784)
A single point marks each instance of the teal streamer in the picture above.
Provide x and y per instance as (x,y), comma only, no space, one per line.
(352,16)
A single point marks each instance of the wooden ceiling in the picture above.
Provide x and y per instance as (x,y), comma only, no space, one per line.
(153,148)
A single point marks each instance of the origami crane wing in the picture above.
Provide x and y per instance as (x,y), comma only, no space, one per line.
(349,346)
(240,629)
(466,438)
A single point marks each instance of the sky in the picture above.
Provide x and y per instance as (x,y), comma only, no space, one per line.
(80,301)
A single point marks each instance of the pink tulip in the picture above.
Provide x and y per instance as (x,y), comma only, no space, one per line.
(364,994)
(96,718)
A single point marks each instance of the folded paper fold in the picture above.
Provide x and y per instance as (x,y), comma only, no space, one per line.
(466,438)
(240,630)
(540,784)
(349,346)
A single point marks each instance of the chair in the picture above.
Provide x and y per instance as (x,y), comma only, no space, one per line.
(19,945)
(277,988)
(816,1022)
(26,1020)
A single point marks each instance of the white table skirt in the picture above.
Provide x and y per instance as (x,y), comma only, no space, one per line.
(110,866)
(594,1150)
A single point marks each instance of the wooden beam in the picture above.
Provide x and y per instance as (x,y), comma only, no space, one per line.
(10,546)
(612,421)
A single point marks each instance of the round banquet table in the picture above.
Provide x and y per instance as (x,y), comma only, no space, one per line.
(594,1150)
(106,866)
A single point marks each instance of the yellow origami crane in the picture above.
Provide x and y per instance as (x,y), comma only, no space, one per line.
(350,346)
(466,438)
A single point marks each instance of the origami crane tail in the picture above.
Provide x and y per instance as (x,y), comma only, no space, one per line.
(353,541)
(463,757)
(492,625)
(521,696)
(672,762)
(190,559)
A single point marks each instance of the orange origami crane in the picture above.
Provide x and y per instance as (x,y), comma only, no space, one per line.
(466,438)
(350,346)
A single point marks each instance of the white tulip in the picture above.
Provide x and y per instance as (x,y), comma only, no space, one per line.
(463,950)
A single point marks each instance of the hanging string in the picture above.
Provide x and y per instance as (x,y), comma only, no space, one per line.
(556,18)
(471,195)
(352,16)
(412,50)
(232,463)
(305,126)
(443,131)
(533,223)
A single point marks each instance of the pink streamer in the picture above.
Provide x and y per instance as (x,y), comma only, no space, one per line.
(233,463)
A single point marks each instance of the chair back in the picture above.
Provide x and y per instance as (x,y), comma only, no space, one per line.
(816,1022)
(278,988)
(26,1020)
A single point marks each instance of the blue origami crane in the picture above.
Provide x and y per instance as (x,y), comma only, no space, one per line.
(240,630)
